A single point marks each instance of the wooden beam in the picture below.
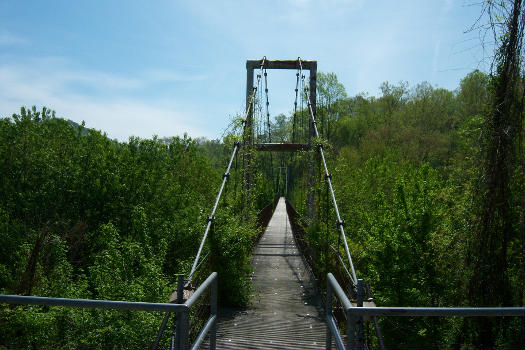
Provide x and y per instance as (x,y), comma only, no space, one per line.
(281,147)
(280,64)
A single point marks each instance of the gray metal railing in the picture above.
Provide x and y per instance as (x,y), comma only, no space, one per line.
(354,323)
(182,310)
(354,315)
(331,326)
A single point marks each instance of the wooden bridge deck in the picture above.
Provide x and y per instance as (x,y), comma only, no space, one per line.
(286,310)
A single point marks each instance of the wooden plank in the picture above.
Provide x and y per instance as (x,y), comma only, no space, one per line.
(286,311)
(281,147)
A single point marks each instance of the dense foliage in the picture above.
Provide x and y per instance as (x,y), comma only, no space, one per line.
(84,216)
(407,169)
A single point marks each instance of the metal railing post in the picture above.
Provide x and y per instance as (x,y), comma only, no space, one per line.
(376,323)
(173,346)
(213,304)
(360,334)
(335,289)
(183,330)
(329,314)
(180,300)
(350,331)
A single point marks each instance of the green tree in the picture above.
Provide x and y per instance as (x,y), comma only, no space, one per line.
(329,92)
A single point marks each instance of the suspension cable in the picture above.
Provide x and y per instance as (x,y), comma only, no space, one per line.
(236,177)
(268,120)
(260,116)
(267,106)
(340,223)
(303,135)
(225,178)
(263,126)
(257,111)
(295,105)
(300,135)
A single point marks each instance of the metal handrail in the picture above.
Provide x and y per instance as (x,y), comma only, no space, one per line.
(438,311)
(355,315)
(211,324)
(91,303)
(225,177)
(331,327)
(212,278)
(332,282)
(181,309)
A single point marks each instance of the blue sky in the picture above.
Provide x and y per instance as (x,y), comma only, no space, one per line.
(168,67)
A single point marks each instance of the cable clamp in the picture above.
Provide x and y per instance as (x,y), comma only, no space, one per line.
(328,176)
(237,143)
(340,223)
(210,218)
(226,175)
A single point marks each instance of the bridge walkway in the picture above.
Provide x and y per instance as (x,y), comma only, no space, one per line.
(286,310)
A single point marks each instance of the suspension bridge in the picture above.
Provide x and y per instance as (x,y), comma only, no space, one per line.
(293,306)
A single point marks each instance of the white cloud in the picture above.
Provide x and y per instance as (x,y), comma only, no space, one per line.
(119,115)
(52,74)
(8,39)
(121,119)
(448,5)
(300,3)
(159,75)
